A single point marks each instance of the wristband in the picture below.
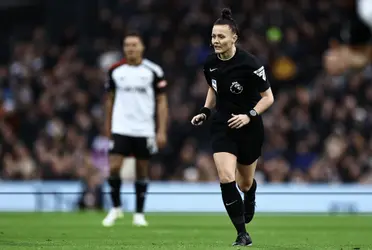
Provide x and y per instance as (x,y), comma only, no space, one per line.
(252,114)
(206,111)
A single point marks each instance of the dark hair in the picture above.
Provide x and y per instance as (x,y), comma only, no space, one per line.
(134,33)
(226,18)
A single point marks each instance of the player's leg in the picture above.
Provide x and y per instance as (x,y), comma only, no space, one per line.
(226,166)
(247,184)
(143,149)
(114,181)
(140,186)
(119,148)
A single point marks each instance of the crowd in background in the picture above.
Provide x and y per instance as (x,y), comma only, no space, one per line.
(51,112)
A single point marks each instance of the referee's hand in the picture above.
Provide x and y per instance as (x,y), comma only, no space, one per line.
(238,121)
(198,119)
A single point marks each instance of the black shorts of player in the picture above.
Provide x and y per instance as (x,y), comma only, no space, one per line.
(245,143)
(138,147)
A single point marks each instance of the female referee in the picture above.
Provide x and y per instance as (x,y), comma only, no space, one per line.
(240,93)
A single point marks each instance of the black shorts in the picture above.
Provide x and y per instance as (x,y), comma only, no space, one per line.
(245,143)
(138,147)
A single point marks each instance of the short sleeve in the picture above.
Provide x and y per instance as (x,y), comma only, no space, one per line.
(110,83)
(260,77)
(160,83)
(207,77)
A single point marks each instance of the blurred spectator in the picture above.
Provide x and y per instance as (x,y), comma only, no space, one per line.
(52,92)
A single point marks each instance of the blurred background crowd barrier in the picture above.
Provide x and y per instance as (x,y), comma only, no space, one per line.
(53,59)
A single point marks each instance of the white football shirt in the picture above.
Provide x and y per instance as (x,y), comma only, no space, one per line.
(135,88)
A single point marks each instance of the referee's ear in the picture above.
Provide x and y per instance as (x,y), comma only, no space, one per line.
(235,38)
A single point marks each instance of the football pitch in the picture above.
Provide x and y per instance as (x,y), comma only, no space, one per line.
(81,231)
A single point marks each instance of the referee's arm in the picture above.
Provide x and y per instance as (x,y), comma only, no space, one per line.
(264,88)
(266,101)
(210,100)
(109,103)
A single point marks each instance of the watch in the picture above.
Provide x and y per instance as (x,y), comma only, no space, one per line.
(252,114)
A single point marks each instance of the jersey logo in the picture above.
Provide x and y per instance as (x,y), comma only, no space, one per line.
(214,85)
(236,88)
(261,73)
(211,70)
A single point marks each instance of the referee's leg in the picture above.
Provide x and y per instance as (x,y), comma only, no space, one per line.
(226,165)
(247,184)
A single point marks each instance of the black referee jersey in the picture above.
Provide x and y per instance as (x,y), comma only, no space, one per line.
(237,82)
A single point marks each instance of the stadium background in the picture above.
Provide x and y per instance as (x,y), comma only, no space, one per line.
(53,59)
(317,154)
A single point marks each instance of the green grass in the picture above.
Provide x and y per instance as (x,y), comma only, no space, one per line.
(82,231)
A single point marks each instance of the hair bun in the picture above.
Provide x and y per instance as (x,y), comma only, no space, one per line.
(226,14)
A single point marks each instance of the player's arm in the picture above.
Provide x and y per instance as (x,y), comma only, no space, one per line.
(162,109)
(109,103)
(162,113)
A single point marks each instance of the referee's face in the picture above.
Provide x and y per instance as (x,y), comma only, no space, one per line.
(133,48)
(222,38)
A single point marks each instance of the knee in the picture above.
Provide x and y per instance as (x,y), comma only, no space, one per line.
(114,171)
(226,166)
(141,176)
(115,166)
(142,169)
(245,185)
(226,177)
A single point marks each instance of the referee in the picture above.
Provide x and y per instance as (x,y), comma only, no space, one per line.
(136,121)
(240,92)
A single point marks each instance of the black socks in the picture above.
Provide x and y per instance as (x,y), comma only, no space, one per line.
(250,195)
(115,184)
(250,202)
(234,205)
(141,190)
